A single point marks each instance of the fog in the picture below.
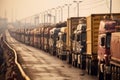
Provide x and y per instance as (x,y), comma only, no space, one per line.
(19,9)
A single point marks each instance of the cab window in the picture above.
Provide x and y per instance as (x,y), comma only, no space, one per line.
(108,40)
(78,37)
(103,41)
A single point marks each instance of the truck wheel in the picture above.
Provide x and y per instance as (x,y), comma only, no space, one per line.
(118,73)
(75,60)
(112,71)
(101,71)
(63,57)
(115,73)
(107,74)
(78,61)
(83,62)
(92,67)
(69,57)
(54,53)
(58,53)
(89,66)
(78,65)
(75,63)
(51,51)
(117,77)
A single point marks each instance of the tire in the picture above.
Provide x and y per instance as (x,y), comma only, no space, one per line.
(107,74)
(75,61)
(89,66)
(92,67)
(83,62)
(112,72)
(69,57)
(101,71)
(78,61)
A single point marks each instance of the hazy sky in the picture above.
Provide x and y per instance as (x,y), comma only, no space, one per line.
(18,9)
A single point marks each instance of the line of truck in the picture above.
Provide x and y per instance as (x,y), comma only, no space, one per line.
(91,43)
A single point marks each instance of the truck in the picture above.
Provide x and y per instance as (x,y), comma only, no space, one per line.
(32,37)
(22,35)
(47,37)
(42,37)
(92,55)
(71,27)
(37,35)
(79,45)
(27,37)
(115,55)
(108,45)
(53,39)
(61,43)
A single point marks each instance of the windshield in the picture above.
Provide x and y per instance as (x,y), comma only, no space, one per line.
(73,37)
(46,35)
(78,37)
(83,35)
(64,37)
(108,39)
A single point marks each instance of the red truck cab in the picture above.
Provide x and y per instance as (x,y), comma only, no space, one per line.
(115,54)
(106,28)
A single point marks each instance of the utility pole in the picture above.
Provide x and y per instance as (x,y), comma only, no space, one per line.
(68,6)
(12,15)
(77,7)
(111,8)
(36,20)
(5,14)
(61,13)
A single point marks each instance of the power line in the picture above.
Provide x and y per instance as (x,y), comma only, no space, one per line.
(90,7)
(87,4)
(90,3)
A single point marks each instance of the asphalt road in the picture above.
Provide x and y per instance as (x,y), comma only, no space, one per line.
(39,65)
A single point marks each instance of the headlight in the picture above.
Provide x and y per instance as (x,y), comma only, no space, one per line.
(105,55)
(78,49)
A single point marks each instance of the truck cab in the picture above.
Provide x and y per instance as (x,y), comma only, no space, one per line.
(61,43)
(79,45)
(42,37)
(53,39)
(47,37)
(38,37)
(115,53)
(106,28)
(27,37)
